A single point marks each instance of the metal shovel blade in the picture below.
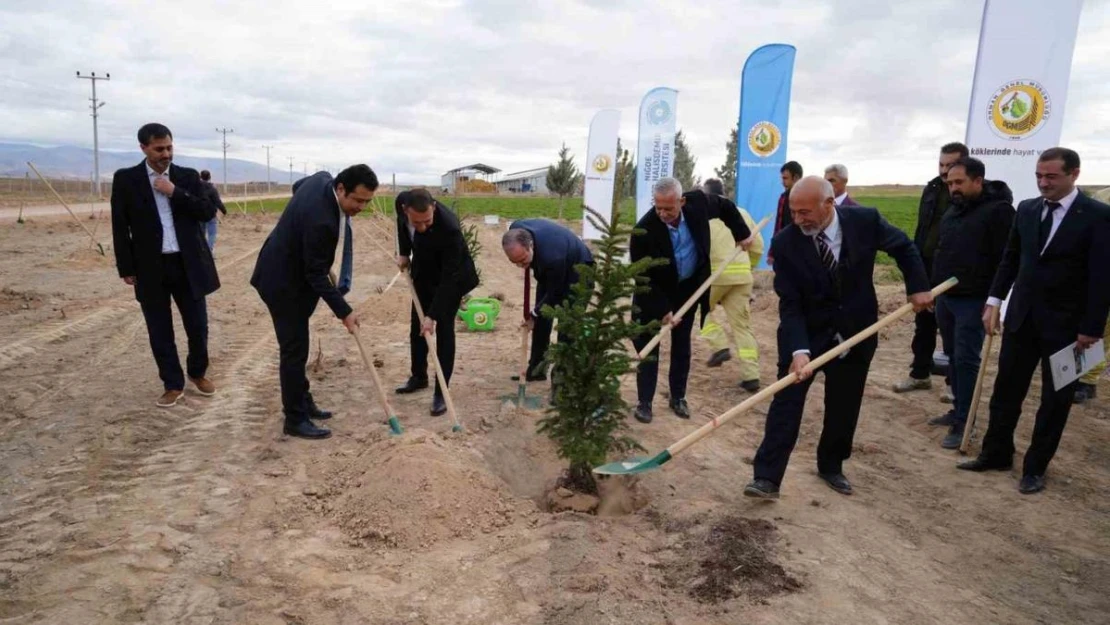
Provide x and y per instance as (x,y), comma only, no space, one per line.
(634,465)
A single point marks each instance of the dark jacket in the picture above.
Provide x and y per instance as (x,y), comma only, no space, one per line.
(213,195)
(848,201)
(655,242)
(972,239)
(783,218)
(812,308)
(137,230)
(441,264)
(926,212)
(555,252)
(1065,290)
(294,261)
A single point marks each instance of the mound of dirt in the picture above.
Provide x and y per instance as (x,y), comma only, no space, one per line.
(419,489)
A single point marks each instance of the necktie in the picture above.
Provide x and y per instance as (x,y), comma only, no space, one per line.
(1046,224)
(347,266)
(828,259)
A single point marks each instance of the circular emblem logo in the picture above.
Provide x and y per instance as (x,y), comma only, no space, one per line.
(1019,109)
(480,318)
(659,112)
(602,163)
(764,139)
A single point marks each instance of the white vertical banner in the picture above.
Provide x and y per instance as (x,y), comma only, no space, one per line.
(1020,87)
(655,147)
(601,169)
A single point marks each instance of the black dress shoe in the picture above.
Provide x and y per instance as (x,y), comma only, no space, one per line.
(954,438)
(412,385)
(680,408)
(981,464)
(439,406)
(762,489)
(718,358)
(947,419)
(306,429)
(532,377)
(1031,484)
(643,413)
(837,482)
(316,412)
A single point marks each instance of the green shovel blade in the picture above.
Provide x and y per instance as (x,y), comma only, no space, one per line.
(634,465)
(395,428)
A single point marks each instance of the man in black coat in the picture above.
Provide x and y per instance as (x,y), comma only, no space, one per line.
(677,230)
(824,266)
(551,251)
(1056,260)
(973,234)
(292,275)
(432,247)
(158,216)
(935,201)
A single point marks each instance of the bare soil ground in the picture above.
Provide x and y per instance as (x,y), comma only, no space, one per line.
(114,511)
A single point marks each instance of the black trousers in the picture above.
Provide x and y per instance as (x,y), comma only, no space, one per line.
(159,325)
(541,328)
(445,337)
(845,379)
(925,339)
(291,325)
(647,372)
(1022,350)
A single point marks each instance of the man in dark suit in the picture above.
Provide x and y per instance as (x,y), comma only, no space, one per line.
(442,272)
(214,197)
(1056,260)
(837,175)
(677,230)
(935,201)
(551,251)
(824,265)
(292,275)
(791,173)
(158,216)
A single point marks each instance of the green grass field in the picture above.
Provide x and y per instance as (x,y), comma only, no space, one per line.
(899,210)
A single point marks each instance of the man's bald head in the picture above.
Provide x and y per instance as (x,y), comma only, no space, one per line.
(812,203)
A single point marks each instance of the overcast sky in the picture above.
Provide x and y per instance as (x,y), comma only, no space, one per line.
(417,88)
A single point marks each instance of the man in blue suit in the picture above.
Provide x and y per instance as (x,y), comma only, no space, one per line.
(292,275)
(551,251)
(824,263)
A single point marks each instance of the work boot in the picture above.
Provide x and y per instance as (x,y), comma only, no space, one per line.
(314,411)
(913,384)
(752,386)
(412,385)
(719,357)
(954,438)
(1084,393)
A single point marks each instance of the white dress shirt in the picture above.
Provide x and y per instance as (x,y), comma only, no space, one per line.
(836,239)
(165,213)
(840,198)
(1057,217)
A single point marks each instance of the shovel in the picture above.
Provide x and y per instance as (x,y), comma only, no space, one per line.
(984,360)
(522,399)
(697,294)
(99,246)
(640,465)
(457,427)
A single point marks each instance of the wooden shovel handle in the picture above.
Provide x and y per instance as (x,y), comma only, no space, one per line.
(974,410)
(432,351)
(792,378)
(63,202)
(377,381)
(701,289)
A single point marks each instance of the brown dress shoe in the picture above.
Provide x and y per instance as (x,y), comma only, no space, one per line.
(169,398)
(204,386)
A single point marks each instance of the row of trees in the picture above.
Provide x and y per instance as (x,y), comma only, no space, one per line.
(564,179)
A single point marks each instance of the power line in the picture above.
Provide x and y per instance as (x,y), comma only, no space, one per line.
(226,146)
(95,115)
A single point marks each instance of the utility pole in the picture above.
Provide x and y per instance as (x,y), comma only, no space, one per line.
(268,147)
(226,146)
(290,171)
(306,169)
(95,115)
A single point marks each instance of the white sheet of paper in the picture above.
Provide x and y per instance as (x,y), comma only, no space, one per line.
(1068,366)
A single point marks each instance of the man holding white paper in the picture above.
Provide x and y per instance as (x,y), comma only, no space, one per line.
(1055,260)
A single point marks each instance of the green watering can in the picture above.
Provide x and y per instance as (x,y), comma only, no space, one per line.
(480,313)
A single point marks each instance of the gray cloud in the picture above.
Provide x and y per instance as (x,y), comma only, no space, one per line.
(417,88)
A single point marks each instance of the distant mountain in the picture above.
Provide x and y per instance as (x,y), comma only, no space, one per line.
(75,162)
